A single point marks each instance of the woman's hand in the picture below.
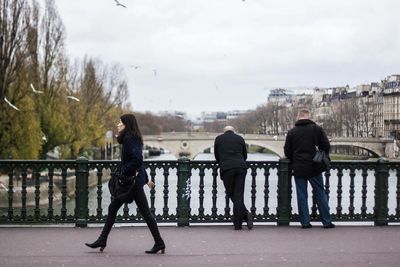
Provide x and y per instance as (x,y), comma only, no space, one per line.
(150,184)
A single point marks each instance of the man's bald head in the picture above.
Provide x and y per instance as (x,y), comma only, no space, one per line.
(229,128)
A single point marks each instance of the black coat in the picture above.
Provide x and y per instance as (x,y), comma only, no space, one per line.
(230,151)
(132,159)
(300,148)
(131,165)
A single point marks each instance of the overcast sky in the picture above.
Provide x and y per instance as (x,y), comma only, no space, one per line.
(220,55)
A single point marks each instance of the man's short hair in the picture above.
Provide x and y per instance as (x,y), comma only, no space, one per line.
(304,113)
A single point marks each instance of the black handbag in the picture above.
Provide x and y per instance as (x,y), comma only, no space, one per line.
(125,180)
(120,183)
(321,157)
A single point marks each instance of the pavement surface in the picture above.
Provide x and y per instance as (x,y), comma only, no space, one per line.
(203,246)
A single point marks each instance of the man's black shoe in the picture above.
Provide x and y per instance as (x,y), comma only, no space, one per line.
(331,225)
(249,221)
(306,226)
(238,228)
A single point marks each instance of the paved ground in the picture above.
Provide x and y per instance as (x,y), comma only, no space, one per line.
(203,246)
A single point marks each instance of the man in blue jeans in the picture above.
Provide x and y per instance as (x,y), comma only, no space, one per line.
(300,148)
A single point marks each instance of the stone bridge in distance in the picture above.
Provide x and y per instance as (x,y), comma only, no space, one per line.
(191,144)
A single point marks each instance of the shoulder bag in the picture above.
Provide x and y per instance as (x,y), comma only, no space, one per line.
(120,183)
(320,156)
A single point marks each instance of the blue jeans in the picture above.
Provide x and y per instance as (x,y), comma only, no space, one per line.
(302,199)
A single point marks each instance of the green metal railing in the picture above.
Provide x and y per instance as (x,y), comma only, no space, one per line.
(187,192)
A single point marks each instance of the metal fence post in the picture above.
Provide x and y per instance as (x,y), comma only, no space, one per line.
(381,209)
(81,192)
(183,192)
(283,209)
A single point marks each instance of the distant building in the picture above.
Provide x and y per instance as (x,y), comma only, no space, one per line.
(339,93)
(280,96)
(376,99)
(222,116)
(375,88)
(318,95)
(362,89)
(365,110)
(302,100)
(391,106)
(236,113)
(174,113)
(374,107)
(213,116)
(322,111)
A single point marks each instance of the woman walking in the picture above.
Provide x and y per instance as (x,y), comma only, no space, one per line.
(131,165)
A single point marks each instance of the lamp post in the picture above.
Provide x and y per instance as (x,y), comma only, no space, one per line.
(109,143)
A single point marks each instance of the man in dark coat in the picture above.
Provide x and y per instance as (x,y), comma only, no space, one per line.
(300,148)
(231,154)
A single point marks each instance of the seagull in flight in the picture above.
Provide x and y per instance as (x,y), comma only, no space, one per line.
(155,72)
(3,186)
(119,4)
(11,105)
(136,67)
(73,98)
(35,91)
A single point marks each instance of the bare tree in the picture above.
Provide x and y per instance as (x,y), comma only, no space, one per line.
(366,113)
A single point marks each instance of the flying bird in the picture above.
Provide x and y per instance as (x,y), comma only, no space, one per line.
(11,105)
(3,186)
(36,91)
(136,67)
(73,98)
(119,4)
(155,72)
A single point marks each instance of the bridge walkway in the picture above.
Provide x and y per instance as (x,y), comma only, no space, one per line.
(203,246)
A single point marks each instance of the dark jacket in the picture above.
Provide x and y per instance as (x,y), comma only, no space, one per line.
(131,164)
(300,148)
(230,151)
(132,159)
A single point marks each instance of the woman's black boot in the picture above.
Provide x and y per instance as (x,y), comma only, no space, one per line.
(101,243)
(159,245)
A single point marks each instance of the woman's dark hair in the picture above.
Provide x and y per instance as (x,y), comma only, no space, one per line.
(131,128)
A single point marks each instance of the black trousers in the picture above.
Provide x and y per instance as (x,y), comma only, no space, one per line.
(143,206)
(234,185)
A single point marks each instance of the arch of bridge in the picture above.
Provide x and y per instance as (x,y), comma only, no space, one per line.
(194,144)
(376,148)
(194,147)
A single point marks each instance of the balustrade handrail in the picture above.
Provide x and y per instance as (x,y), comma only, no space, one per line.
(41,192)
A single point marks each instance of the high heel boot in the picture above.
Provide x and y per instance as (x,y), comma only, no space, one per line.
(101,243)
(159,245)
